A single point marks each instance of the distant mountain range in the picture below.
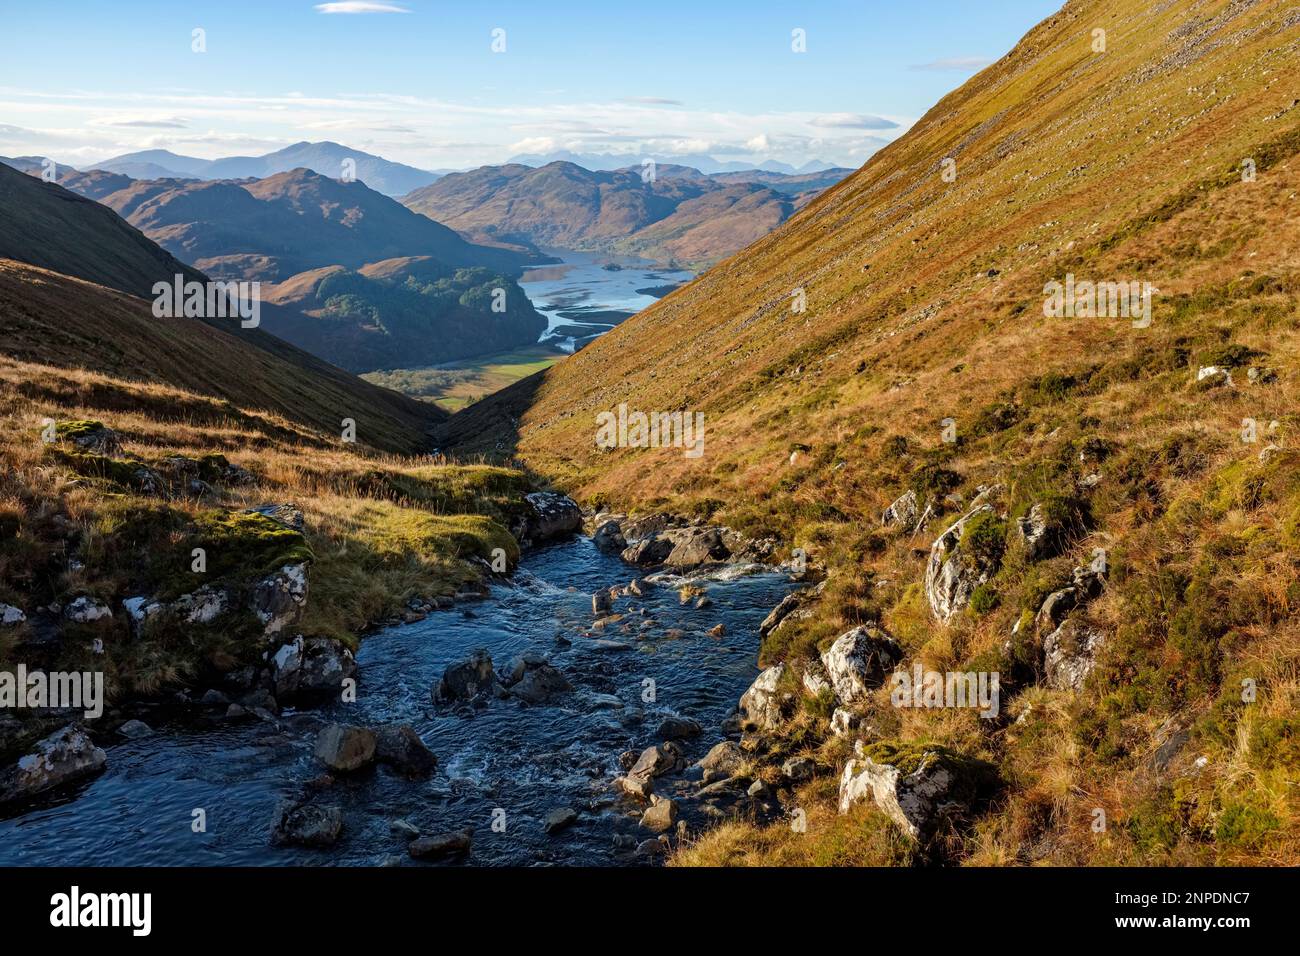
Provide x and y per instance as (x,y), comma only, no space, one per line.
(683,216)
(604,162)
(101,320)
(328,159)
(270,229)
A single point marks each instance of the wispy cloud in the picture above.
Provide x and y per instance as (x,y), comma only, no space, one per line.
(359,6)
(967,64)
(652,101)
(173,123)
(852,121)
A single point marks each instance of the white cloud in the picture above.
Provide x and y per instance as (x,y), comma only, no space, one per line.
(967,64)
(852,121)
(359,6)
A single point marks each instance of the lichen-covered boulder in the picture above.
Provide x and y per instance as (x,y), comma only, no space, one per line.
(956,568)
(915,785)
(311,667)
(859,660)
(902,513)
(1070,653)
(65,756)
(550,515)
(87,610)
(763,703)
(279,598)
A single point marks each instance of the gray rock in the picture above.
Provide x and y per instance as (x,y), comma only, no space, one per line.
(844,722)
(87,610)
(298,824)
(65,756)
(778,613)
(11,616)
(859,661)
(287,514)
(902,513)
(560,819)
(952,576)
(399,746)
(725,758)
(1070,653)
(600,603)
(279,598)
(467,680)
(914,792)
(695,547)
(609,538)
(1034,534)
(763,703)
(798,769)
(442,845)
(678,728)
(649,551)
(345,748)
(660,816)
(96,441)
(541,684)
(550,515)
(311,667)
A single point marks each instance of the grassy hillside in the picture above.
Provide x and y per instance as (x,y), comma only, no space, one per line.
(682,216)
(925,302)
(377,529)
(55,320)
(48,226)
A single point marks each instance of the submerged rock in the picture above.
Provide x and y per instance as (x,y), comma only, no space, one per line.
(560,819)
(300,824)
(399,746)
(540,684)
(467,680)
(442,845)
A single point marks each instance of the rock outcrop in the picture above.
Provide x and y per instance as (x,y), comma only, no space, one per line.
(915,786)
(763,703)
(859,660)
(65,756)
(311,667)
(952,575)
(549,515)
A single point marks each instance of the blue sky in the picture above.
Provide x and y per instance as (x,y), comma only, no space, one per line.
(82,81)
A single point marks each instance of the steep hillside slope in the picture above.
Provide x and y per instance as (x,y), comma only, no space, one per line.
(51,319)
(682,216)
(46,225)
(925,361)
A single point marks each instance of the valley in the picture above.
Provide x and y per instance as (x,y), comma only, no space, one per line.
(950,516)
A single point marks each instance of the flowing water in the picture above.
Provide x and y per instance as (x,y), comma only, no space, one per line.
(523,760)
(581,299)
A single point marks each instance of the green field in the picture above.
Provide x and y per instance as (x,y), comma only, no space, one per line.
(454,385)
